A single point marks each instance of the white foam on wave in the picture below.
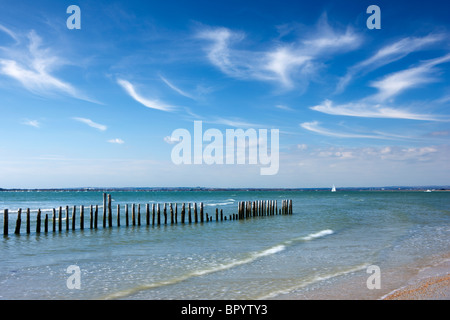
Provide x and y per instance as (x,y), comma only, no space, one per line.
(319,234)
(220,267)
(312,281)
(224,266)
(219,204)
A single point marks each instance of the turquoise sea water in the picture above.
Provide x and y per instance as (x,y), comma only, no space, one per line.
(329,236)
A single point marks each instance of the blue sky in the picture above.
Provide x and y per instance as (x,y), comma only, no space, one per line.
(96,106)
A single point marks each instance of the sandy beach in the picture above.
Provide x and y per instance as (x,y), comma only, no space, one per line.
(427,279)
(431,283)
(433,288)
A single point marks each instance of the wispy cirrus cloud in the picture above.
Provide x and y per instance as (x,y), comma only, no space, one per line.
(283,63)
(171,140)
(390,86)
(91,123)
(9,32)
(32,123)
(392,153)
(388,54)
(176,89)
(116,141)
(233,122)
(33,67)
(397,82)
(367,110)
(316,128)
(149,103)
(284,107)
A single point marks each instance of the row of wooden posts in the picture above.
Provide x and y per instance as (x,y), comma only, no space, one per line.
(246,210)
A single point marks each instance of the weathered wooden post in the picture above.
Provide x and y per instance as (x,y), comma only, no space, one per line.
(133,214)
(195,212)
(221,215)
(176,213)
(109,211)
(46,223)
(139,215)
(245,209)
(96,217)
(165,213)
(126,216)
(59,220)
(91,216)
(18,221)
(189,212)
(38,221)
(104,210)
(82,217)
(118,215)
(28,221)
(73,217)
(5,222)
(183,212)
(172,221)
(159,214)
(217,214)
(54,219)
(201,212)
(153,214)
(147,213)
(67,218)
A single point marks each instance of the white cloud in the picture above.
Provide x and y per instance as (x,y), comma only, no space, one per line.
(176,89)
(326,39)
(234,122)
(315,127)
(392,153)
(395,83)
(366,110)
(171,140)
(376,105)
(116,141)
(32,123)
(33,66)
(91,123)
(388,54)
(9,32)
(153,104)
(407,153)
(283,107)
(219,52)
(279,62)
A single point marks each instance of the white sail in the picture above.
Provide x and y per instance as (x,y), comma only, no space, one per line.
(333,189)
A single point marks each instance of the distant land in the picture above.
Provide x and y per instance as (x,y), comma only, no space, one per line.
(387,188)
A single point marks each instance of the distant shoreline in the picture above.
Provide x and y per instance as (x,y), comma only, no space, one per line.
(112,189)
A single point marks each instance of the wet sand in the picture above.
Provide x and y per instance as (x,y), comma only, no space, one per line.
(434,288)
(432,283)
(428,279)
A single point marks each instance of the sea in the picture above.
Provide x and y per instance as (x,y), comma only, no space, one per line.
(348,244)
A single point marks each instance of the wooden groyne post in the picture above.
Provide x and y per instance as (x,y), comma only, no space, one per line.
(245,210)
(5,222)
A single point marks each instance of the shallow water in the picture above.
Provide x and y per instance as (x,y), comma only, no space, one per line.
(328,237)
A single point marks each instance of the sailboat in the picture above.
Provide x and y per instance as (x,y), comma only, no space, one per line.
(333,189)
